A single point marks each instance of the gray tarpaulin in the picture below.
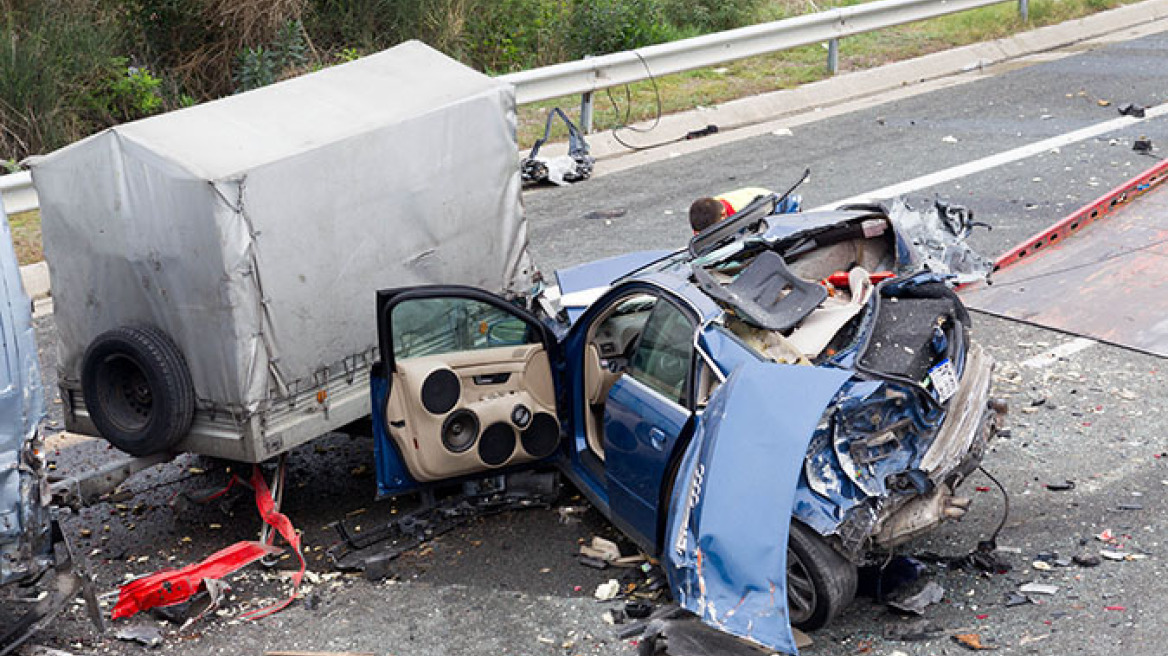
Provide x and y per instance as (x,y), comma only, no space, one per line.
(256,229)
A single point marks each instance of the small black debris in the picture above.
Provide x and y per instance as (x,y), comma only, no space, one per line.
(1129,109)
(594,563)
(1086,560)
(1061,487)
(1017,599)
(614,213)
(704,132)
(1142,145)
(638,609)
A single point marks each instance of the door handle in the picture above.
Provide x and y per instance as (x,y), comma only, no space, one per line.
(657,438)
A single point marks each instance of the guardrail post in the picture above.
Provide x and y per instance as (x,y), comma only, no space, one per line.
(833,55)
(586,113)
(1024,10)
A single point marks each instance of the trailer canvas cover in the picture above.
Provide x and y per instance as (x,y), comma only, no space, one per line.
(255,229)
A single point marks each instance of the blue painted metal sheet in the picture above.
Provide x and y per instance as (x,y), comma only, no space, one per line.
(726,543)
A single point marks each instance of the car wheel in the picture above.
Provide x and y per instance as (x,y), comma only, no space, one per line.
(820,582)
(138,389)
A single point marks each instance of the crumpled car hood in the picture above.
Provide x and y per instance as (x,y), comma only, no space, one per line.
(725,550)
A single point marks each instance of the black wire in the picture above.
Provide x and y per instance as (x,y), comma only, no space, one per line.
(624,124)
(1005,506)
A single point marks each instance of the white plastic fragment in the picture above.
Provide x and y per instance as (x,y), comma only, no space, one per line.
(606,591)
(1038,588)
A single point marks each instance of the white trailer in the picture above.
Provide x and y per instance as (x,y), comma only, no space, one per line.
(214,269)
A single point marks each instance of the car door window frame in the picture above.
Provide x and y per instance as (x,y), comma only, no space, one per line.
(389,298)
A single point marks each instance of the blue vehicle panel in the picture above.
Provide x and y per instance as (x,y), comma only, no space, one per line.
(736,487)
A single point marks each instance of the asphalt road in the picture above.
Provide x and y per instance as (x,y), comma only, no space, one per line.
(509,584)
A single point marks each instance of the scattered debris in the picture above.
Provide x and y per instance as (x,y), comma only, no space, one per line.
(1038,588)
(915,605)
(914,631)
(973,641)
(638,609)
(683,634)
(614,213)
(317,653)
(701,132)
(1061,487)
(1086,560)
(519,491)
(1103,103)
(601,549)
(1142,144)
(606,591)
(1129,109)
(1017,599)
(1130,506)
(143,634)
(575,166)
(1041,565)
(949,139)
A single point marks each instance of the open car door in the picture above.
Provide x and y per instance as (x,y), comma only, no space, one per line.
(470,385)
(725,549)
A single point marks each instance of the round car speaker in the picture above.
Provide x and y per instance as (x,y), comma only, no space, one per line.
(542,437)
(497,444)
(459,431)
(521,416)
(440,391)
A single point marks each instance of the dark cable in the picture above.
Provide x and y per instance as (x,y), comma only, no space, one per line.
(1005,506)
(624,123)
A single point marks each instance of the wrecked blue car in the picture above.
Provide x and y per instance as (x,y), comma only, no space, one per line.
(784,400)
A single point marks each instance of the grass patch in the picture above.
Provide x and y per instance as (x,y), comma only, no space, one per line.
(26,236)
(782,70)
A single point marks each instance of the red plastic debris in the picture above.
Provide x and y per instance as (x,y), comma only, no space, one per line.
(1114,608)
(982,616)
(170,586)
(982,488)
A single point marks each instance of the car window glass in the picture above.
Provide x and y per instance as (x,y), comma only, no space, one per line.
(618,332)
(430,326)
(663,354)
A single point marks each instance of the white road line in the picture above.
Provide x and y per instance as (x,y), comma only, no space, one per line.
(1006,157)
(1064,350)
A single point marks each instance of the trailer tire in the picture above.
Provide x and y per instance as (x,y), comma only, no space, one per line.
(820,581)
(138,389)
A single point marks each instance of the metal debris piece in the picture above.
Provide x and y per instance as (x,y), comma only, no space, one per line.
(915,605)
(1086,560)
(1017,599)
(1038,588)
(143,634)
(1142,145)
(1130,109)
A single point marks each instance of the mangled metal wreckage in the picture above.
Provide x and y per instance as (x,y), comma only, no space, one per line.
(36,566)
(765,410)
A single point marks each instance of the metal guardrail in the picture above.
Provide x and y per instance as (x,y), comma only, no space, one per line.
(585,76)
(17,193)
(593,74)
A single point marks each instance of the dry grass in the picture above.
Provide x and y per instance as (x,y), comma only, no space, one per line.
(26,236)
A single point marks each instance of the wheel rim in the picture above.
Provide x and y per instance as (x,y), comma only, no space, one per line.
(801,596)
(126,391)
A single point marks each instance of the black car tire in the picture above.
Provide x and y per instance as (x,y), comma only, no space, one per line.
(820,581)
(138,389)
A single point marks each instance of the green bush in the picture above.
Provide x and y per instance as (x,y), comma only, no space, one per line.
(598,27)
(259,66)
(711,15)
(512,35)
(53,55)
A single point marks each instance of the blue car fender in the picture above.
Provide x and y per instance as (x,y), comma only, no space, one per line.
(725,550)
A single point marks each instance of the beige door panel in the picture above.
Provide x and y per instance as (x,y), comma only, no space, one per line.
(418,432)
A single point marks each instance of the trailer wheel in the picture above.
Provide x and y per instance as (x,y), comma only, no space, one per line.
(138,389)
(820,581)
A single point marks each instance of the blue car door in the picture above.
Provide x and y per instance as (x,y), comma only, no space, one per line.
(646,411)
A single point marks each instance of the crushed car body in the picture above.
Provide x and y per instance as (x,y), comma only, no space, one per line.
(765,410)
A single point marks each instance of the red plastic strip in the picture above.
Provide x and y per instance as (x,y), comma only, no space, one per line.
(170,586)
(283,526)
(1098,209)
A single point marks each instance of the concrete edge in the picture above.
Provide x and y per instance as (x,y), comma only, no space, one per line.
(35,278)
(817,100)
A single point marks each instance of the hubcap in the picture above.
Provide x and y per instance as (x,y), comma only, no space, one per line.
(801,596)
